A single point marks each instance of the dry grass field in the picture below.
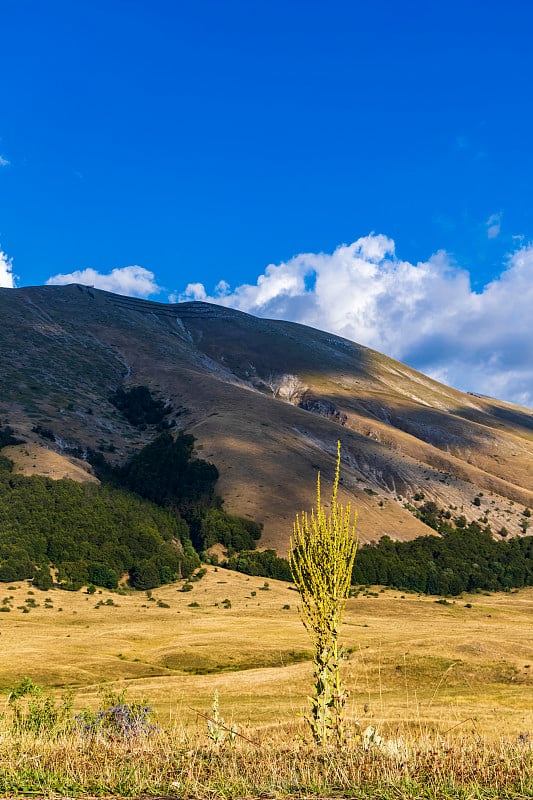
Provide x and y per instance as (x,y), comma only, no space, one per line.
(414,663)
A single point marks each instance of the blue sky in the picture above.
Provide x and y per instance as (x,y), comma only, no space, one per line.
(203,141)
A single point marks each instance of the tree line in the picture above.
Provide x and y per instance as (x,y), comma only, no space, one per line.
(460,559)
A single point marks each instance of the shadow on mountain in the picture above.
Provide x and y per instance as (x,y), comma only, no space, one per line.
(514,417)
(440,429)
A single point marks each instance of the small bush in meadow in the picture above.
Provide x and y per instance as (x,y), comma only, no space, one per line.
(31,712)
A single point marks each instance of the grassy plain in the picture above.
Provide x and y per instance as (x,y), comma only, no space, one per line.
(414,663)
(447,685)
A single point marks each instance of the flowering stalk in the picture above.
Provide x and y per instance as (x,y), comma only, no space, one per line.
(321,559)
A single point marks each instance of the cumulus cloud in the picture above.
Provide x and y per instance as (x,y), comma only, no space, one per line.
(222,288)
(7,279)
(3,162)
(425,314)
(493,224)
(133,281)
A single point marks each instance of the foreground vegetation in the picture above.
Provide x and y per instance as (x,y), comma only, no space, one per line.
(321,559)
(232,633)
(167,761)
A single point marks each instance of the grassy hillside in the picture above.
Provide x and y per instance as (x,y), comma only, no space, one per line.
(267,401)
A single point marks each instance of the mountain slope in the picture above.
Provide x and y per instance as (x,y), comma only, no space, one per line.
(267,401)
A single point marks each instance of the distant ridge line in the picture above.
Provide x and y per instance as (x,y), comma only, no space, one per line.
(193,308)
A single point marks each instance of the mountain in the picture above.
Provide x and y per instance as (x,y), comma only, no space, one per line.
(267,401)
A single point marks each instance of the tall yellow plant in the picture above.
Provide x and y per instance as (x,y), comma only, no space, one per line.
(321,558)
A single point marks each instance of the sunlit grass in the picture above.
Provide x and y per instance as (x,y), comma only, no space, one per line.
(277,762)
(447,687)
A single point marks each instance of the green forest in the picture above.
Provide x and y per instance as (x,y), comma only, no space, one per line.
(149,519)
(90,533)
(461,559)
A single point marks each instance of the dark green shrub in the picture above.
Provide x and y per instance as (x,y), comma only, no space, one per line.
(102,575)
(139,407)
(43,579)
(44,433)
(7,437)
(145,575)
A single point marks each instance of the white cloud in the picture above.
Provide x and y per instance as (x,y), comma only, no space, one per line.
(493,224)
(7,279)
(133,281)
(3,162)
(194,291)
(222,288)
(425,314)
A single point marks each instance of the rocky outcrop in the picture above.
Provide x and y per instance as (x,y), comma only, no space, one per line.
(325,408)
